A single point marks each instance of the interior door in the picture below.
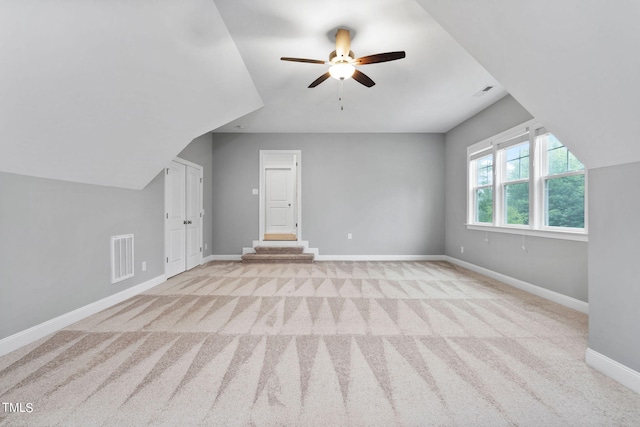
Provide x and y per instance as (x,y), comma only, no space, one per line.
(279,201)
(175,200)
(193,246)
(183,220)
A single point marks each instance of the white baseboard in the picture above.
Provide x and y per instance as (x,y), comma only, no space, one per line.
(614,370)
(379,258)
(225,258)
(206,259)
(340,257)
(22,338)
(556,297)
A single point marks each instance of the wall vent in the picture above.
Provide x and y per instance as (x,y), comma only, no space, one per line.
(121,257)
(483,91)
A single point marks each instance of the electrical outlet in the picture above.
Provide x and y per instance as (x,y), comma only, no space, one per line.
(461,249)
(205,246)
(349,236)
(144,265)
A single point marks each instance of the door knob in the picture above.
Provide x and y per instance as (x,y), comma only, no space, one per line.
(289,204)
(184,222)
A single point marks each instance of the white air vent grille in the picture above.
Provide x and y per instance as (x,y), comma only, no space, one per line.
(121,257)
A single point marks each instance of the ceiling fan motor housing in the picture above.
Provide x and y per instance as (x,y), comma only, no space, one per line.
(342,57)
(343,42)
(334,58)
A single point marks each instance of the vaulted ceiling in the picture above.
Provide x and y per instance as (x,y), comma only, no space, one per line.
(431,90)
(106,92)
(573,64)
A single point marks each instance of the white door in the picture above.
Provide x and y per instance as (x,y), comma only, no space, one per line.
(175,238)
(193,247)
(183,219)
(279,201)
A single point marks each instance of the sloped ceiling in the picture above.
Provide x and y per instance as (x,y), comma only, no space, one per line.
(431,90)
(573,64)
(107,92)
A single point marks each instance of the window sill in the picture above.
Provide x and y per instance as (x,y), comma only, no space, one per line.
(549,234)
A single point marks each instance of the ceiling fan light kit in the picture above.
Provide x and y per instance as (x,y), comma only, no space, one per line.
(342,70)
(343,63)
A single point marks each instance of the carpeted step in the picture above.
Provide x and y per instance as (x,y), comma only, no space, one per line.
(278,258)
(279,250)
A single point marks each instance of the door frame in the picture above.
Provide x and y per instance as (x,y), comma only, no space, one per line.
(297,217)
(201,208)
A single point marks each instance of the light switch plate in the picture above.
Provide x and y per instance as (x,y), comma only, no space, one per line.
(254,191)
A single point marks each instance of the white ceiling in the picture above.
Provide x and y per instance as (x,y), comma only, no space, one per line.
(431,90)
(573,64)
(107,92)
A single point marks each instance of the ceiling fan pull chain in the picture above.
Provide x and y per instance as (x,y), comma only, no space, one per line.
(340,93)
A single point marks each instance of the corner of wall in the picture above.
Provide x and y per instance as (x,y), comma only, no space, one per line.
(614,370)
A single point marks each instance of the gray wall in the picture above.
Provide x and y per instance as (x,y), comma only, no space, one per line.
(55,244)
(614,247)
(385,189)
(200,152)
(558,265)
(55,241)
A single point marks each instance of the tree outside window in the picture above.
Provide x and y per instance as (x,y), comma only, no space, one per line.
(526,179)
(563,185)
(483,194)
(516,187)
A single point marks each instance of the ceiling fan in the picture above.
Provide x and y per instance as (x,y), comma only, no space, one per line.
(343,61)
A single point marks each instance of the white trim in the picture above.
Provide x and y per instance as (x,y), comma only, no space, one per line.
(502,136)
(614,370)
(380,258)
(261,192)
(22,338)
(224,258)
(549,234)
(200,168)
(550,295)
(497,145)
(188,163)
(207,259)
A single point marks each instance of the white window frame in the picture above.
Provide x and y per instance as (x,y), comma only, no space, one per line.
(501,149)
(544,177)
(537,177)
(474,184)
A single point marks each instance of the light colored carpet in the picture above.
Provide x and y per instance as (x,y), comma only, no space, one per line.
(332,343)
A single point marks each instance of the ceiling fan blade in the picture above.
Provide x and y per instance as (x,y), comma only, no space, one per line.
(380,57)
(362,78)
(320,79)
(309,61)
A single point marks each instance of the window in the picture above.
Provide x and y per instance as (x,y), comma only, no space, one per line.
(563,184)
(515,183)
(526,181)
(483,189)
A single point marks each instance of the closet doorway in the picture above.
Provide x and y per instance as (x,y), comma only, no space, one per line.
(183,216)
